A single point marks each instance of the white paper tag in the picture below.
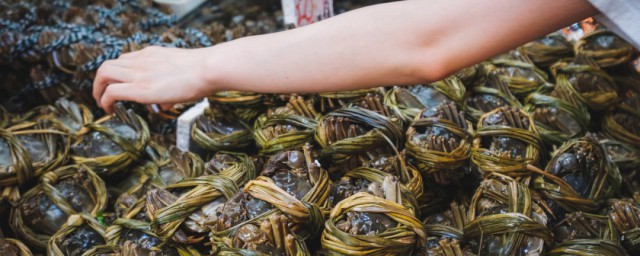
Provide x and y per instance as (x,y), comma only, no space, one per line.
(304,12)
(185,122)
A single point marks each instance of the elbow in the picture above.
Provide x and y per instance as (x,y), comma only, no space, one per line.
(432,67)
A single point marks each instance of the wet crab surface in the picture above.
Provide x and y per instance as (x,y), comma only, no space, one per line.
(96,144)
(503,145)
(43,215)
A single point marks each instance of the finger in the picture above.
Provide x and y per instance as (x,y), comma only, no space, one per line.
(118,92)
(109,73)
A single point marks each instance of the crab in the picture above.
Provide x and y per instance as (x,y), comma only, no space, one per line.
(372,223)
(579,225)
(270,236)
(292,171)
(450,136)
(445,230)
(493,199)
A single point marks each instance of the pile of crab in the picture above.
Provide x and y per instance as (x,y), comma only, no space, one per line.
(532,152)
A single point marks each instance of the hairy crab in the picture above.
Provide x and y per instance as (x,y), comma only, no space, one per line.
(548,49)
(440,139)
(409,102)
(492,93)
(28,150)
(292,183)
(362,223)
(499,205)
(112,143)
(559,115)
(444,230)
(605,47)
(506,142)
(61,193)
(579,177)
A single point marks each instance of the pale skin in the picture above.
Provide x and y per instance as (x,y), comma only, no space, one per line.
(407,42)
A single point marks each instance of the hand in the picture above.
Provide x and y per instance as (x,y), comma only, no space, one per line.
(154,75)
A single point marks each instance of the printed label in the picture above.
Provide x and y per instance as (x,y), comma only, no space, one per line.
(304,12)
(185,122)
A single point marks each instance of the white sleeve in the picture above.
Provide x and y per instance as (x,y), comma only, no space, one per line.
(622,17)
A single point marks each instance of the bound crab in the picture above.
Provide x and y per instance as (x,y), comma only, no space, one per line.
(559,115)
(521,77)
(69,116)
(579,177)
(246,106)
(112,143)
(499,204)
(13,247)
(291,183)
(408,102)
(61,193)
(627,158)
(167,168)
(27,151)
(218,130)
(586,232)
(365,224)
(269,236)
(440,140)
(589,84)
(506,142)
(190,206)
(491,94)
(625,215)
(348,132)
(444,231)
(79,234)
(372,181)
(548,49)
(286,128)
(605,47)
(330,101)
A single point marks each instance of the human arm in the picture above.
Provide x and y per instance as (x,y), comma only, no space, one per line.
(404,42)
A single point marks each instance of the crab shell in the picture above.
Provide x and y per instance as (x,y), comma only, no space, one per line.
(614,52)
(492,93)
(330,101)
(441,159)
(280,133)
(271,234)
(605,183)
(407,105)
(548,49)
(64,203)
(80,231)
(401,239)
(570,113)
(590,85)
(489,161)
(114,164)
(519,223)
(521,77)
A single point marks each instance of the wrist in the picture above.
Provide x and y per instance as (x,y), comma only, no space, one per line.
(212,73)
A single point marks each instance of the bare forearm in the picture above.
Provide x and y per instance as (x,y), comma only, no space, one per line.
(397,43)
(404,42)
